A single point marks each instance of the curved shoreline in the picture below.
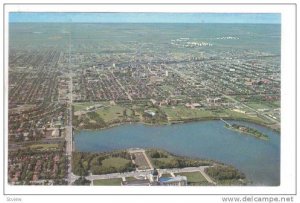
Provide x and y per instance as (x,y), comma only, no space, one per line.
(201,162)
(180,122)
(220,132)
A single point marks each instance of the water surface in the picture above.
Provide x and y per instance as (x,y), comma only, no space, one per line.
(258,159)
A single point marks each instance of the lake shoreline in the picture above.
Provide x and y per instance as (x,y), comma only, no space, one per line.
(174,122)
(163,164)
(205,140)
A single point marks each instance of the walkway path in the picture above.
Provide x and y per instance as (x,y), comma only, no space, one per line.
(207,177)
(225,122)
(145,155)
(148,172)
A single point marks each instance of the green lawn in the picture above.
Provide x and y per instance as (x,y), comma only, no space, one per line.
(194,178)
(108,182)
(165,160)
(128,112)
(115,162)
(130,178)
(182,112)
(169,162)
(44,146)
(111,113)
(259,105)
(166,175)
(275,104)
(82,105)
(237,115)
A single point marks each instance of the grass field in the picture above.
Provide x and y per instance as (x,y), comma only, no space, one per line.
(166,160)
(130,178)
(82,106)
(166,175)
(259,105)
(194,178)
(44,146)
(169,162)
(237,115)
(108,182)
(182,112)
(111,113)
(108,113)
(276,104)
(115,162)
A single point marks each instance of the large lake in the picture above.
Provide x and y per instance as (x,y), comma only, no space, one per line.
(258,159)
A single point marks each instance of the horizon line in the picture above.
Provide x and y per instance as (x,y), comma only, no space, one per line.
(250,23)
(144,17)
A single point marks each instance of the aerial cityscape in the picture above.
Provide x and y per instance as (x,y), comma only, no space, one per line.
(144,104)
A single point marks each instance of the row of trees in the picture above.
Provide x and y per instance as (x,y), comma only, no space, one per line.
(100,169)
(179,163)
(86,121)
(225,174)
(162,159)
(157,154)
(82,181)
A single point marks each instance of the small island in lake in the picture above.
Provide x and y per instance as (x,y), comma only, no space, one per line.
(247,130)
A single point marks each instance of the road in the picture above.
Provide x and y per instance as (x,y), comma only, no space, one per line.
(69,127)
(124,64)
(252,109)
(147,159)
(225,122)
(123,88)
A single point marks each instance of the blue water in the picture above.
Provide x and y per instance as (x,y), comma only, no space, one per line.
(258,159)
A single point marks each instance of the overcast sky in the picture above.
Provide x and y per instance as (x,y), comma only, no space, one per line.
(270,18)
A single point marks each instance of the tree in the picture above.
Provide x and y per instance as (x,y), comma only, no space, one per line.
(82,181)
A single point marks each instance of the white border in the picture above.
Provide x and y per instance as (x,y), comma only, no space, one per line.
(150,8)
(288,99)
